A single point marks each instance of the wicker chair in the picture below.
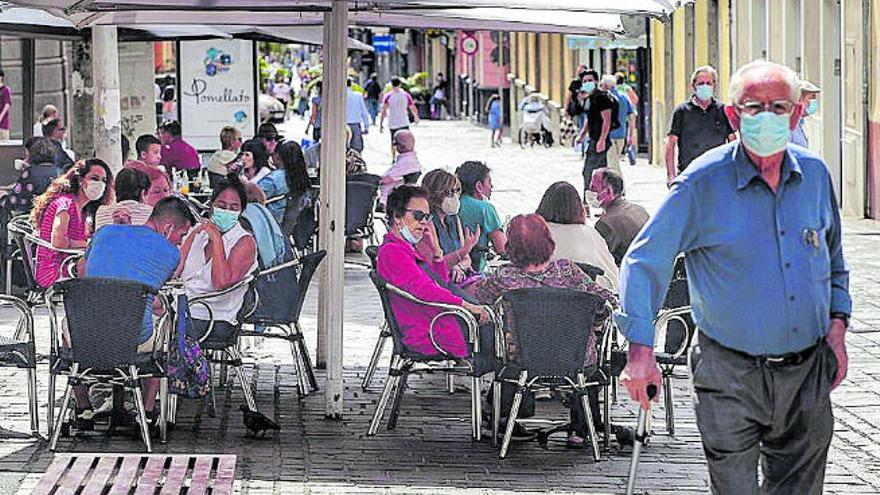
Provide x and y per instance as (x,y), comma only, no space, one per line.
(675,330)
(19,351)
(384,333)
(550,326)
(280,295)
(27,240)
(100,311)
(361,194)
(405,362)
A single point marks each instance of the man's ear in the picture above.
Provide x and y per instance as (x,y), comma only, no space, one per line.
(732,116)
(796,115)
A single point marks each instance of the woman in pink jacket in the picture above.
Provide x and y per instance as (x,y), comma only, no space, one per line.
(411,260)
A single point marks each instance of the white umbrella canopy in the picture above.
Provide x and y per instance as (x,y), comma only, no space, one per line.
(307,35)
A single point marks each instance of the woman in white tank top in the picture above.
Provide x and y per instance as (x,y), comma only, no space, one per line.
(217,255)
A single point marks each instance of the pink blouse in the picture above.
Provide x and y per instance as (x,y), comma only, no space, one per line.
(49,261)
(397,265)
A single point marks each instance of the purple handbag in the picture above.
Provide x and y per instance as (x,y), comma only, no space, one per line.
(187,371)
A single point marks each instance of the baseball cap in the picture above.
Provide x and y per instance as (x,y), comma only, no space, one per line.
(808,87)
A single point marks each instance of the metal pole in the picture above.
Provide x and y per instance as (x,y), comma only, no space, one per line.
(502,75)
(108,113)
(332,235)
(28,72)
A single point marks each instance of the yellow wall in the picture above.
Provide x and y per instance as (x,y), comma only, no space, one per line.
(678,57)
(544,56)
(523,56)
(658,88)
(531,70)
(556,71)
(724,48)
(701,33)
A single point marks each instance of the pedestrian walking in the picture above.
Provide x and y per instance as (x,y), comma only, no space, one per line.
(574,108)
(356,117)
(810,102)
(315,116)
(374,92)
(626,90)
(601,108)
(759,225)
(5,107)
(626,123)
(493,111)
(698,125)
(438,97)
(397,105)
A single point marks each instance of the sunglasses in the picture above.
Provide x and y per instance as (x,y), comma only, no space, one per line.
(421,216)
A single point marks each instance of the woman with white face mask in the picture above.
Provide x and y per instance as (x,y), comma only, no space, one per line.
(456,242)
(65,212)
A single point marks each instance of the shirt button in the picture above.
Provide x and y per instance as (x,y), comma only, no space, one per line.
(795,330)
(791,298)
(781,232)
(788,265)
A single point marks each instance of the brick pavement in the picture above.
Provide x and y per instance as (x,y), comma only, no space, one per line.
(430,452)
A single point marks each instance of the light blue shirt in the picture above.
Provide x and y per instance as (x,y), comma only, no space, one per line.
(356,110)
(765,269)
(798,136)
(624,110)
(273,185)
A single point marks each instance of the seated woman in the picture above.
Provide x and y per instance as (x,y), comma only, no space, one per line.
(38,172)
(63,212)
(410,259)
(131,208)
(406,167)
(531,247)
(230,142)
(290,182)
(254,159)
(444,193)
(215,256)
(562,209)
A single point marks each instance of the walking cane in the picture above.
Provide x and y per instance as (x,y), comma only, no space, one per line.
(639,440)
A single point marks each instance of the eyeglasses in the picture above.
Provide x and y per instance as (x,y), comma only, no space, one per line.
(779,107)
(453,193)
(421,216)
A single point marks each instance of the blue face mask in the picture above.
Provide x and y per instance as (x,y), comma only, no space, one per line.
(588,86)
(812,108)
(408,235)
(224,219)
(766,133)
(704,92)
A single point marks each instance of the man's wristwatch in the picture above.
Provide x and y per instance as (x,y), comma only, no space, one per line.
(842,317)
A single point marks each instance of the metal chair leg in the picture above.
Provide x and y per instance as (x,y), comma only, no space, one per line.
(307,360)
(514,412)
(667,404)
(476,408)
(606,416)
(400,389)
(450,384)
(374,360)
(585,403)
(163,410)
(50,410)
(211,399)
(301,379)
(245,387)
(224,375)
(65,407)
(32,401)
(141,411)
(172,408)
(390,384)
(496,409)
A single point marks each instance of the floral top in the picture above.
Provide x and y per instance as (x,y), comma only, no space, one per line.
(33,181)
(563,274)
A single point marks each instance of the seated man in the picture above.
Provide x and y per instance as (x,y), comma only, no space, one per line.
(146,254)
(621,220)
(476,211)
(132,187)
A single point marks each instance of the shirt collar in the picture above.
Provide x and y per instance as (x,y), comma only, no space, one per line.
(746,170)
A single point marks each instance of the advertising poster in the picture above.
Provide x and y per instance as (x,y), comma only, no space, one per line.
(217,89)
(137,93)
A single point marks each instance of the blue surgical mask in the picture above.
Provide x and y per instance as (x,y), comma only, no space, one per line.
(588,86)
(766,133)
(812,108)
(409,236)
(704,92)
(224,219)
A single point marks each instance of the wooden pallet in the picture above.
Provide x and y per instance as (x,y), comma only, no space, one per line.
(118,474)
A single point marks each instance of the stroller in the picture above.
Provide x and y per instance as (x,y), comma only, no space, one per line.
(535,127)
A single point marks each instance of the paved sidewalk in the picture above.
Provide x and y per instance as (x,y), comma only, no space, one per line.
(430,451)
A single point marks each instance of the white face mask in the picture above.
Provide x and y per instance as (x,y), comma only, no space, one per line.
(94,189)
(451,205)
(593,200)
(19,164)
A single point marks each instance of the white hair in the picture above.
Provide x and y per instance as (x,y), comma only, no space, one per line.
(609,80)
(790,77)
(706,69)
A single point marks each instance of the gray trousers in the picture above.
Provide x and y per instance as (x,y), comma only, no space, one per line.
(357,138)
(750,410)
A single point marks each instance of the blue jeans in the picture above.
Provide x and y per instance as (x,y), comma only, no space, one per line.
(373,109)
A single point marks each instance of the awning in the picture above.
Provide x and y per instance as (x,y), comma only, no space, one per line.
(306,35)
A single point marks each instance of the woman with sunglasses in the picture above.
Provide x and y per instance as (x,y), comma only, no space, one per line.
(456,242)
(411,260)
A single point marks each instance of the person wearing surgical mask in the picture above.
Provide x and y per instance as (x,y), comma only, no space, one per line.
(621,220)
(759,226)
(411,260)
(810,102)
(698,124)
(63,215)
(456,242)
(218,254)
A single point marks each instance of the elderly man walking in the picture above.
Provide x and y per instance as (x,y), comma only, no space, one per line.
(759,225)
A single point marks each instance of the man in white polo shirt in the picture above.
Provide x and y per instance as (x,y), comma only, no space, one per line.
(395,105)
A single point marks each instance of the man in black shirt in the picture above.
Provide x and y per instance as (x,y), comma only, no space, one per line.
(574,108)
(698,125)
(601,110)
(374,92)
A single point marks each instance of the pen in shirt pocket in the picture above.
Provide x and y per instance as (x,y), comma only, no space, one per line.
(811,237)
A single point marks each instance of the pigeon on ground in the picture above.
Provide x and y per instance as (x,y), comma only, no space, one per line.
(256,422)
